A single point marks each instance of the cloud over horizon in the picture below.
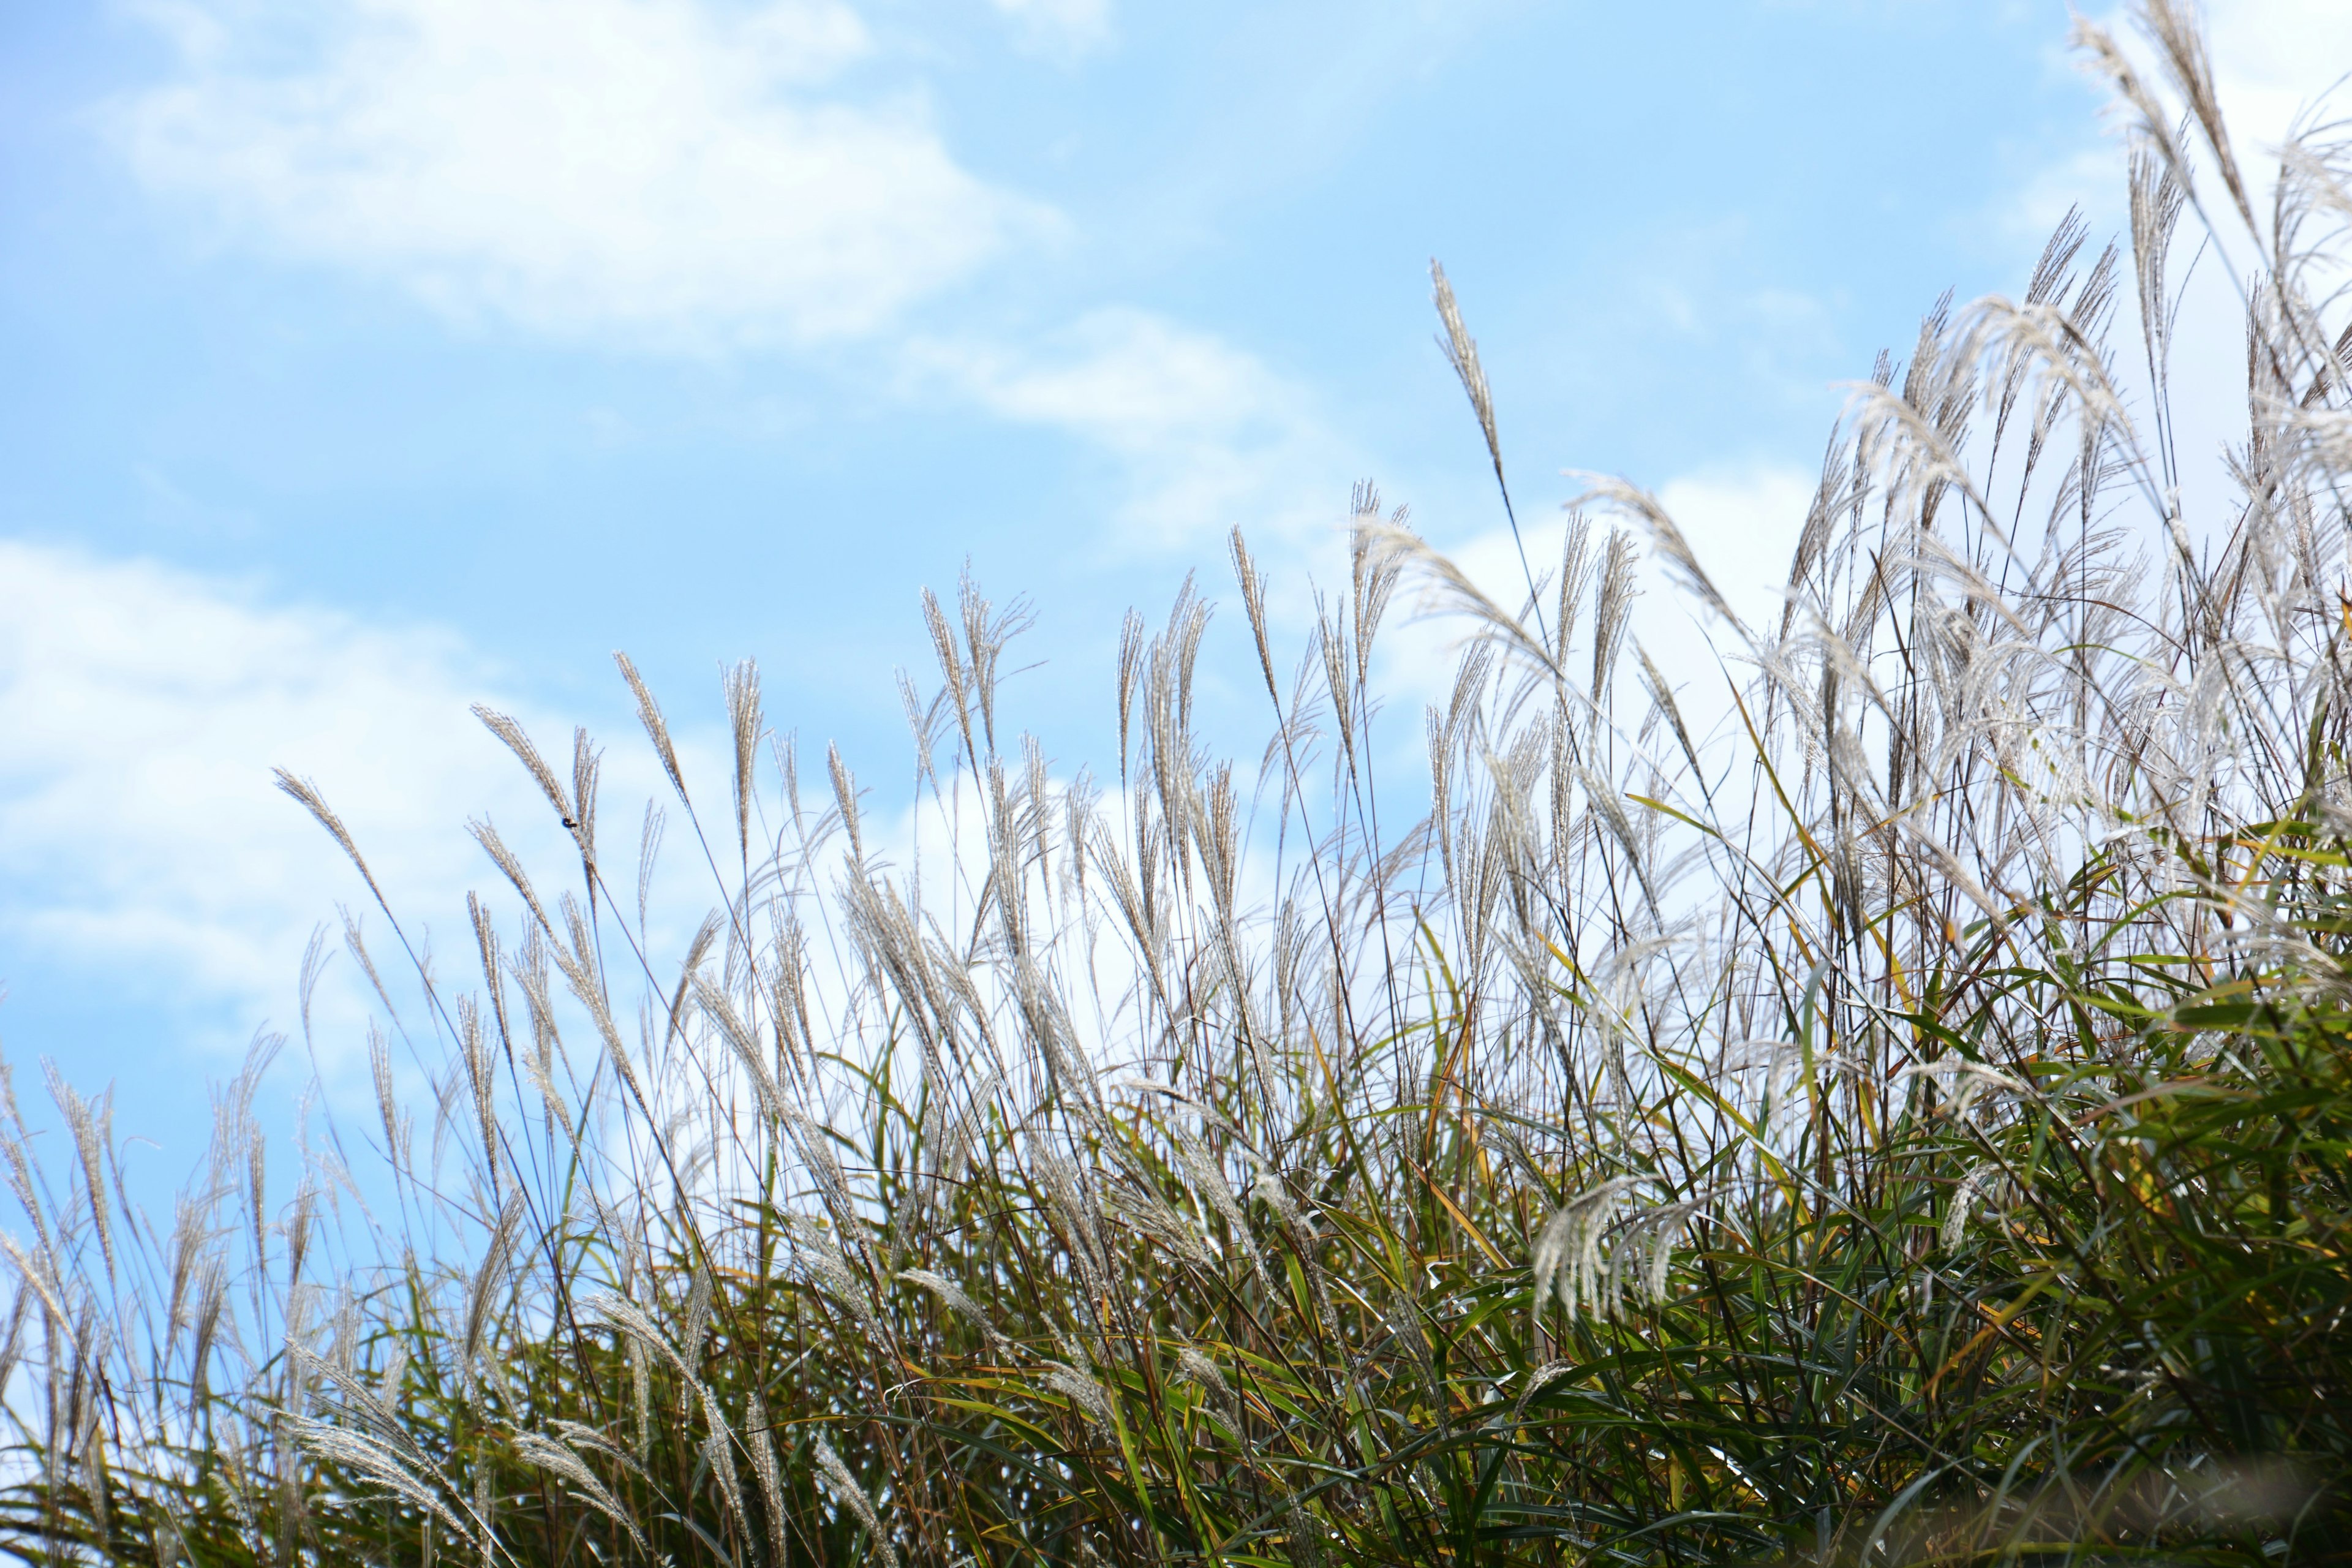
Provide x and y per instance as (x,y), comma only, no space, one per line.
(142,838)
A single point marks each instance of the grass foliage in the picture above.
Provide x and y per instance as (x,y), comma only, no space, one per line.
(1905,1121)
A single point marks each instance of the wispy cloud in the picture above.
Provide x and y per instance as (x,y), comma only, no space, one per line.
(670,175)
(653,171)
(1061,26)
(1208,436)
(2274,58)
(142,847)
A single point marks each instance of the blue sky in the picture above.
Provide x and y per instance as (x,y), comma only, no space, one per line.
(367,358)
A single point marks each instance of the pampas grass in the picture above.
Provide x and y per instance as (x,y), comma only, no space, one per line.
(1904,1123)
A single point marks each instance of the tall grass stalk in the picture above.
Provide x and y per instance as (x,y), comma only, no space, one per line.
(1905,1123)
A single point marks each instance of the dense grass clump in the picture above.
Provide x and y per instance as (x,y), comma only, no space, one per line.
(1906,1121)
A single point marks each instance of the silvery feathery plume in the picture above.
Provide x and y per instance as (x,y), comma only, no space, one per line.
(964,1306)
(1074,1205)
(923,724)
(478,1055)
(1371,586)
(488,1278)
(1512,837)
(87,1124)
(1037,794)
(579,1436)
(374,1461)
(1197,1369)
(1568,1249)
(649,838)
(698,953)
(1208,1178)
(986,631)
(1253,586)
(1605,805)
(741,686)
(845,794)
(1462,352)
(1613,603)
(579,976)
(1537,1381)
(1613,494)
(1209,1115)
(853,1498)
(1780,1060)
(305,792)
(1963,1079)
(1514,1150)
(1614,1011)
(538,1063)
(698,1317)
(1134,903)
(822,1259)
(1045,1017)
(1446,588)
(1644,1255)
(489,949)
(761,1437)
(1305,1536)
(1971,1188)
(19,1168)
(88,1443)
(620,1312)
(389,1381)
(1270,1189)
(171,1540)
(951,670)
(360,1406)
(486,834)
(558,1459)
(742,1038)
(518,742)
(1131,637)
(640,1393)
(528,969)
(719,1454)
(1146,1211)
(949,1130)
(815,1146)
(1075,1379)
(885,932)
(1331,642)
(212,1293)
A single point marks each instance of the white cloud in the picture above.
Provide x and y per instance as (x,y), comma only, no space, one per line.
(675,174)
(1209,434)
(653,170)
(142,841)
(1064,27)
(1743,525)
(2274,58)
